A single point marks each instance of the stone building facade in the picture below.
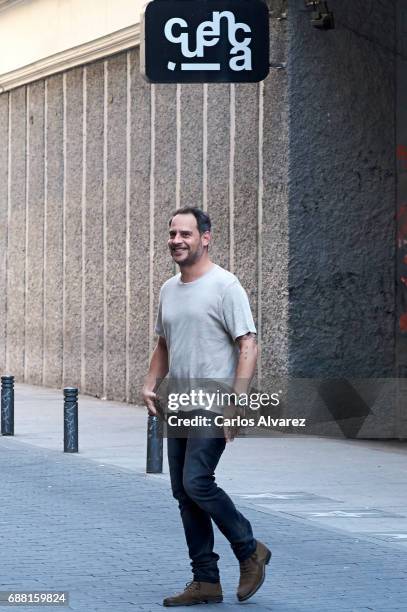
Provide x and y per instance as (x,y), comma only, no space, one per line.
(298,174)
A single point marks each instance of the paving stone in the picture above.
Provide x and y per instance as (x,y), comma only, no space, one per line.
(113,539)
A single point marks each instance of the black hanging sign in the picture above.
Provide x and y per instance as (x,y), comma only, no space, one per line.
(205,41)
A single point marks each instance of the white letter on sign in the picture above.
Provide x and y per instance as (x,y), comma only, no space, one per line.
(246,55)
(208,35)
(206,29)
(243,61)
(182,38)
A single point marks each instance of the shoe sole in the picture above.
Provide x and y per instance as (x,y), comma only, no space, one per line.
(266,562)
(194,603)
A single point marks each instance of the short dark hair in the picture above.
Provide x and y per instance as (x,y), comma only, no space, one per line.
(203,220)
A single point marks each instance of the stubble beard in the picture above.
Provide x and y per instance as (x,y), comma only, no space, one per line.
(192,258)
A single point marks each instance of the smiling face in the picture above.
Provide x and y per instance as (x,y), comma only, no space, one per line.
(186,244)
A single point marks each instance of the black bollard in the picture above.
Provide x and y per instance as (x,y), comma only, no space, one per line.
(70,420)
(154,445)
(7,405)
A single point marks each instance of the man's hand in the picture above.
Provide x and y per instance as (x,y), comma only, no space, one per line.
(157,371)
(149,399)
(230,431)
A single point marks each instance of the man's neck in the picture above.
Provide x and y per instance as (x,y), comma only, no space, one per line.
(198,269)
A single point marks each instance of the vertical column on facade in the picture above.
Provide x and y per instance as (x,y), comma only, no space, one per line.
(54,238)
(218,152)
(205,147)
(73,152)
(246,189)
(191,193)
(16,233)
(232,154)
(178,150)
(151,210)
(138,221)
(34,284)
(273,207)
(115,100)
(260,204)
(83,231)
(163,204)
(4,131)
(92,321)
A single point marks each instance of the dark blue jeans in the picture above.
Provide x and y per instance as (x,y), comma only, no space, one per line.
(192,462)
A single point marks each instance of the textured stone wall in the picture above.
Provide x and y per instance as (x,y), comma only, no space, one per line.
(342,192)
(401,131)
(342,302)
(297,174)
(98,160)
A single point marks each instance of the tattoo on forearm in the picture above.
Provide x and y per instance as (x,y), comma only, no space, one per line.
(252,336)
(245,349)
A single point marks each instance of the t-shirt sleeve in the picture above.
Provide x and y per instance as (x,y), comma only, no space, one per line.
(236,311)
(159,328)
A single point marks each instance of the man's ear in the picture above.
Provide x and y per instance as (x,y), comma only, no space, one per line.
(206,238)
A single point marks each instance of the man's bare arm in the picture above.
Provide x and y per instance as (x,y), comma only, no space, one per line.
(245,370)
(246,365)
(158,370)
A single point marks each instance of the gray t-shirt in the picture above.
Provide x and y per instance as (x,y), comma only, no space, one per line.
(200,322)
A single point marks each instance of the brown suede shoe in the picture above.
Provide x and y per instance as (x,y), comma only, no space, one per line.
(253,572)
(196,593)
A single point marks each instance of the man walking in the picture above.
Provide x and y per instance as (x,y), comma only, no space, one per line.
(205,331)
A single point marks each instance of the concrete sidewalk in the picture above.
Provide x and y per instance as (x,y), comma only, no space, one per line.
(333,512)
(354,486)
